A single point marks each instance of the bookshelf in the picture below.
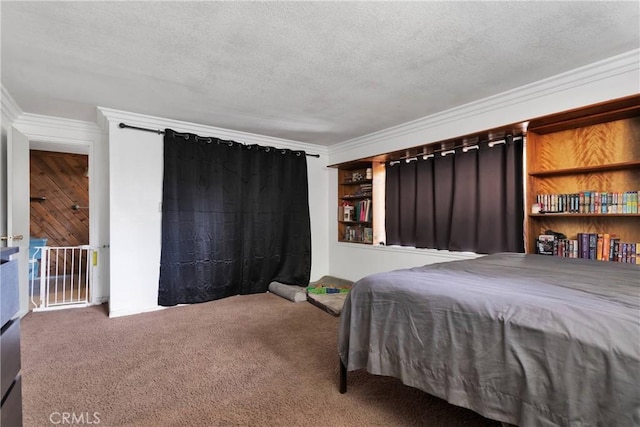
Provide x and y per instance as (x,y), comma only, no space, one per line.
(595,151)
(355,203)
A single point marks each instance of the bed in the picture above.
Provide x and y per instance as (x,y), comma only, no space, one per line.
(529,340)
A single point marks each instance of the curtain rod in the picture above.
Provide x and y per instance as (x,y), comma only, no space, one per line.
(451,150)
(161,132)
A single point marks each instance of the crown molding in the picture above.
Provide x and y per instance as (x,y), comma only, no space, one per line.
(141,120)
(10,107)
(101,120)
(36,124)
(611,67)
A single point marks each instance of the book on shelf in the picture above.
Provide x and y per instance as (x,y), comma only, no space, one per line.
(616,251)
(606,245)
(589,202)
(594,246)
(583,245)
(367,235)
(352,234)
(546,244)
(599,246)
(567,248)
(348,211)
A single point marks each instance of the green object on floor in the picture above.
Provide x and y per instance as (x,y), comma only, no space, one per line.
(326,290)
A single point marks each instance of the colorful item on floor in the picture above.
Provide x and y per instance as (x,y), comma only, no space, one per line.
(327,289)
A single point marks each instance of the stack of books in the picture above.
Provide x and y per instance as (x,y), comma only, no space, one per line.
(596,246)
(600,202)
(365,190)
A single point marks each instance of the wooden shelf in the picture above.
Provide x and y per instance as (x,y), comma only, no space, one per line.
(561,150)
(619,109)
(362,181)
(355,197)
(588,169)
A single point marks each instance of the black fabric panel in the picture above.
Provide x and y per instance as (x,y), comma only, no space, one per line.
(392,204)
(461,202)
(276,239)
(443,172)
(492,199)
(425,224)
(199,262)
(515,201)
(464,210)
(408,203)
(234,218)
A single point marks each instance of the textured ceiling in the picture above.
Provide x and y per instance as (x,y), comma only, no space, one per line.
(319,72)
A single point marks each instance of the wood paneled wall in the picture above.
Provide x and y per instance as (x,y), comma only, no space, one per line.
(60,178)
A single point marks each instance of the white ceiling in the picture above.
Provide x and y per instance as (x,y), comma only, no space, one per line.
(318,72)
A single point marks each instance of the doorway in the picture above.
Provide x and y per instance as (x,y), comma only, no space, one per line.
(59,253)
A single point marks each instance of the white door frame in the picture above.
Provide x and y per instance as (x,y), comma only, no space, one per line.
(38,141)
(17,180)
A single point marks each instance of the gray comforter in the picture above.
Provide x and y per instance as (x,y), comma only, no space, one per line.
(526,339)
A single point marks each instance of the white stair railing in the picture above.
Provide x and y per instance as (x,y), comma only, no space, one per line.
(64,278)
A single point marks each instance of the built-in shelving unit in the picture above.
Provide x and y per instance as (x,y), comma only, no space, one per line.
(355,203)
(594,149)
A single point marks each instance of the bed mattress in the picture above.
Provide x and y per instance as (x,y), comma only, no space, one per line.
(525,339)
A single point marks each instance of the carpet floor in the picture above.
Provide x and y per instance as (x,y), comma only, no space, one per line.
(253,360)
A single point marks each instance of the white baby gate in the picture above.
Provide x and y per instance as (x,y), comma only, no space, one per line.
(60,277)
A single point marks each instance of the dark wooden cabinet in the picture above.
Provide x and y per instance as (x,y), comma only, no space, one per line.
(10,380)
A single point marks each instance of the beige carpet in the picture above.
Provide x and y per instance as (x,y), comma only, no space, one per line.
(256,360)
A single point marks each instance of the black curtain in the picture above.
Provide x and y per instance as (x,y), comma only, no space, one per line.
(464,201)
(234,218)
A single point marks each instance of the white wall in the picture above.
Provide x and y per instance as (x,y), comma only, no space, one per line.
(614,78)
(136,163)
(135,193)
